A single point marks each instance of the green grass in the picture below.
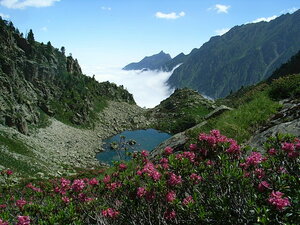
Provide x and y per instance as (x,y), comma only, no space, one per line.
(243,121)
(15,146)
(18,165)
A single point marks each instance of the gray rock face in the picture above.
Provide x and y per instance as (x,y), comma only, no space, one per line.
(176,142)
(218,111)
(287,120)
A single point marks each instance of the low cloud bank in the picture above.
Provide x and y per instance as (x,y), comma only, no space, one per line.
(148,87)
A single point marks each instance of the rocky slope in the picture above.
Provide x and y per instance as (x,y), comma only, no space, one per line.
(182,110)
(38,79)
(243,56)
(59,148)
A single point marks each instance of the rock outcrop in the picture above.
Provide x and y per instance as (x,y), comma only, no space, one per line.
(287,120)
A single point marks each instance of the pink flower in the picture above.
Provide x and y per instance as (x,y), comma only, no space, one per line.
(139,172)
(188,200)
(288,147)
(234,148)
(150,195)
(272,151)
(145,153)
(171,196)
(21,203)
(106,179)
(163,160)
(3,222)
(260,173)
(215,133)
(110,213)
(78,185)
(141,191)
(33,187)
(254,159)
(195,178)
(170,214)
(65,199)
(210,163)
(179,157)
(193,147)
(94,182)
(3,206)
(276,200)
(293,154)
(9,172)
(262,186)
(168,150)
(189,155)
(174,179)
(113,186)
(23,220)
(122,167)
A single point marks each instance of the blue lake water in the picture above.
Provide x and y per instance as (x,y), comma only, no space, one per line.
(145,140)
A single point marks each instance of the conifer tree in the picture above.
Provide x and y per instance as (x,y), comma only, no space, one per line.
(30,37)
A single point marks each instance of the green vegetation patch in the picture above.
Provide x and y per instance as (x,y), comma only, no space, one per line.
(240,123)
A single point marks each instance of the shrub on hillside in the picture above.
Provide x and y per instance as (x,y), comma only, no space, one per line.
(213,181)
(286,87)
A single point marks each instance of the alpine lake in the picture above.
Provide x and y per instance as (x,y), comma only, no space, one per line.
(116,148)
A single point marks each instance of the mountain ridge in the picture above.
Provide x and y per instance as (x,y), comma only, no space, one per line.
(245,55)
(154,62)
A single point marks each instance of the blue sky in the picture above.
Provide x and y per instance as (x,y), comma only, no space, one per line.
(117,32)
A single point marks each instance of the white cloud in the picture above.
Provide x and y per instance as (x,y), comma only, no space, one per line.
(171,15)
(220,8)
(106,8)
(222,31)
(22,4)
(148,87)
(266,19)
(4,16)
(291,10)
(45,29)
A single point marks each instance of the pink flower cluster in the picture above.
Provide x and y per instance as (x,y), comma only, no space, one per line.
(113,186)
(264,185)
(110,213)
(150,170)
(276,200)
(171,196)
(170,214)
(215,138)
(290,149)
(174,179)
(188,200)
(21,203)
(254,159)
(168,150)
(30,185)
(93,182)
(164,162)
(78,185)
(141,192)
(3,222)
(23,220)
(122,167)
(195,178)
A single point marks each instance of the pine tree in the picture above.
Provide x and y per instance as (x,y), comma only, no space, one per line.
(30,37)
(63,50)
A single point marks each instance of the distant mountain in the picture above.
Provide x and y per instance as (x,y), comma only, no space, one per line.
(245,55)
(154,62)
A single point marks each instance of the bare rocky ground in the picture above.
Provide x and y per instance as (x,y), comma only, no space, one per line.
(59,146)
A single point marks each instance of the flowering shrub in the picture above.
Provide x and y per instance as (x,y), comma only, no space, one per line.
(213,181)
